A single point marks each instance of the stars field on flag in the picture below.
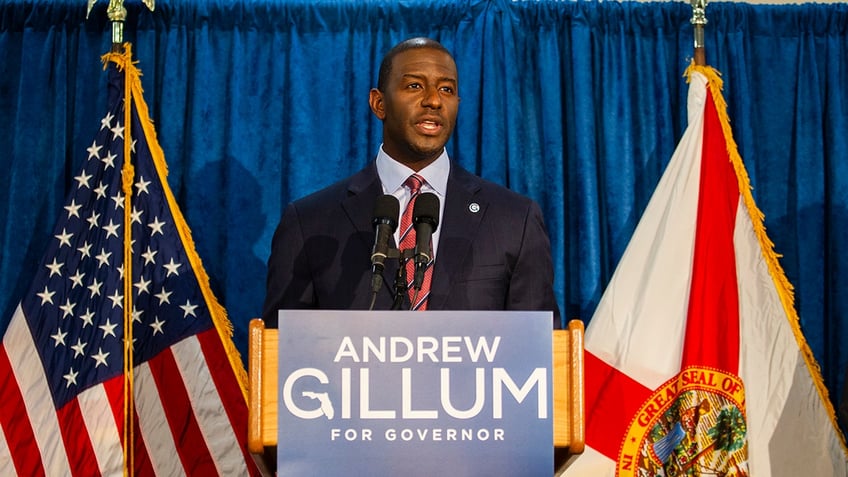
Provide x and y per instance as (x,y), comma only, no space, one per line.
(76,311)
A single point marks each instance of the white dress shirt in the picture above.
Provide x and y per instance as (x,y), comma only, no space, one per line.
(393,174)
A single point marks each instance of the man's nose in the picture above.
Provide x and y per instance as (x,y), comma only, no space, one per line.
(432,98)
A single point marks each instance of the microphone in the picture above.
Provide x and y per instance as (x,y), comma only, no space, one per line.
(425,216)
(385,221)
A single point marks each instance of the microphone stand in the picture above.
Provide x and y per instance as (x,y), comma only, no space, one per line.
(400,278)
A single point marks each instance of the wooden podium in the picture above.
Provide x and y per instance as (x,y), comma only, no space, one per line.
(263,346)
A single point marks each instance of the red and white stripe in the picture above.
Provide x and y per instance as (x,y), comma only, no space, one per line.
(188,409)
(635,340)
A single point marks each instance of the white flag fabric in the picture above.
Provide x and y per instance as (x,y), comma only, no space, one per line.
(695,362)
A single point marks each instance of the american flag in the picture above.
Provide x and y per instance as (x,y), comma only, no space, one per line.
(62,377)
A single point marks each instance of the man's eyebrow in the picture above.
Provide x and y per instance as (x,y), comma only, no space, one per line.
(420,76)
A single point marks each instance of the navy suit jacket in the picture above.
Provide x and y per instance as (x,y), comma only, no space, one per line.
(494,255)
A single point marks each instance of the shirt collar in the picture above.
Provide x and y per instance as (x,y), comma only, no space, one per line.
(393,174)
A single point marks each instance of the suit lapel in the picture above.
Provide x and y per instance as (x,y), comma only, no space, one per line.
(362,192)
(363,189)
(460,225)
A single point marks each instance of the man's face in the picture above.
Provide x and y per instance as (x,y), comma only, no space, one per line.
(418,107)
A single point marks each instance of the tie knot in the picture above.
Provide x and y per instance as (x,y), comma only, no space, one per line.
(414,183)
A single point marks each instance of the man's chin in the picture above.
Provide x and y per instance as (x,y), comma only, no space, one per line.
(426,157)
(428,151)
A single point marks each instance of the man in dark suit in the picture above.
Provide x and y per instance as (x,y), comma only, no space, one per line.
(491,250)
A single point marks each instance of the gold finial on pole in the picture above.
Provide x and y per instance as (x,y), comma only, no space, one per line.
(699,19)
(117,14)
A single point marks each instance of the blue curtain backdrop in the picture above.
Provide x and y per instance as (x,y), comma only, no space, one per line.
(577,104)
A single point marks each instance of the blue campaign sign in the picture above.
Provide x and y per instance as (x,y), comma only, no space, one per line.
(384,393)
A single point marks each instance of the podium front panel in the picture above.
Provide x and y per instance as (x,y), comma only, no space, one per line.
(414,393)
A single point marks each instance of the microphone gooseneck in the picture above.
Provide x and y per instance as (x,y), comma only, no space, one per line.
(425,217)
(385,221)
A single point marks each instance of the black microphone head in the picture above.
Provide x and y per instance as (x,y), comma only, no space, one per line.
(386,211)
(426,210)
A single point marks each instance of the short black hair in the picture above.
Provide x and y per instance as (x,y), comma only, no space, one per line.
(406,45)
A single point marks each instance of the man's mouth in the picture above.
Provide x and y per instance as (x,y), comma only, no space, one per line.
(428,127)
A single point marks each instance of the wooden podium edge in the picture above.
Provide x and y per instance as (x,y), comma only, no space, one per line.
(577,392)
(263,454)
(568,405)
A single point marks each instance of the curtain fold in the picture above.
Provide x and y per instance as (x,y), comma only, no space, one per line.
(577,104)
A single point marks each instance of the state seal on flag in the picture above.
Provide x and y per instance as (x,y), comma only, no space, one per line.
(692,425)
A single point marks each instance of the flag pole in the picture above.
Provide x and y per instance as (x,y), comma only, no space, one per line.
(117,14)
(699,19)
(127,176)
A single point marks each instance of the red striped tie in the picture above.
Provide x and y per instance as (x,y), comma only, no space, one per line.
(407,241)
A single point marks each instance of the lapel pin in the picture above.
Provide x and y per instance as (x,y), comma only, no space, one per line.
(474,207)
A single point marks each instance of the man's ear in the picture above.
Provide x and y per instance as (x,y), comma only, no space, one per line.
(375,100)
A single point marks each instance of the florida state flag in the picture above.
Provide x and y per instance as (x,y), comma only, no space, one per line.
(695,362)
